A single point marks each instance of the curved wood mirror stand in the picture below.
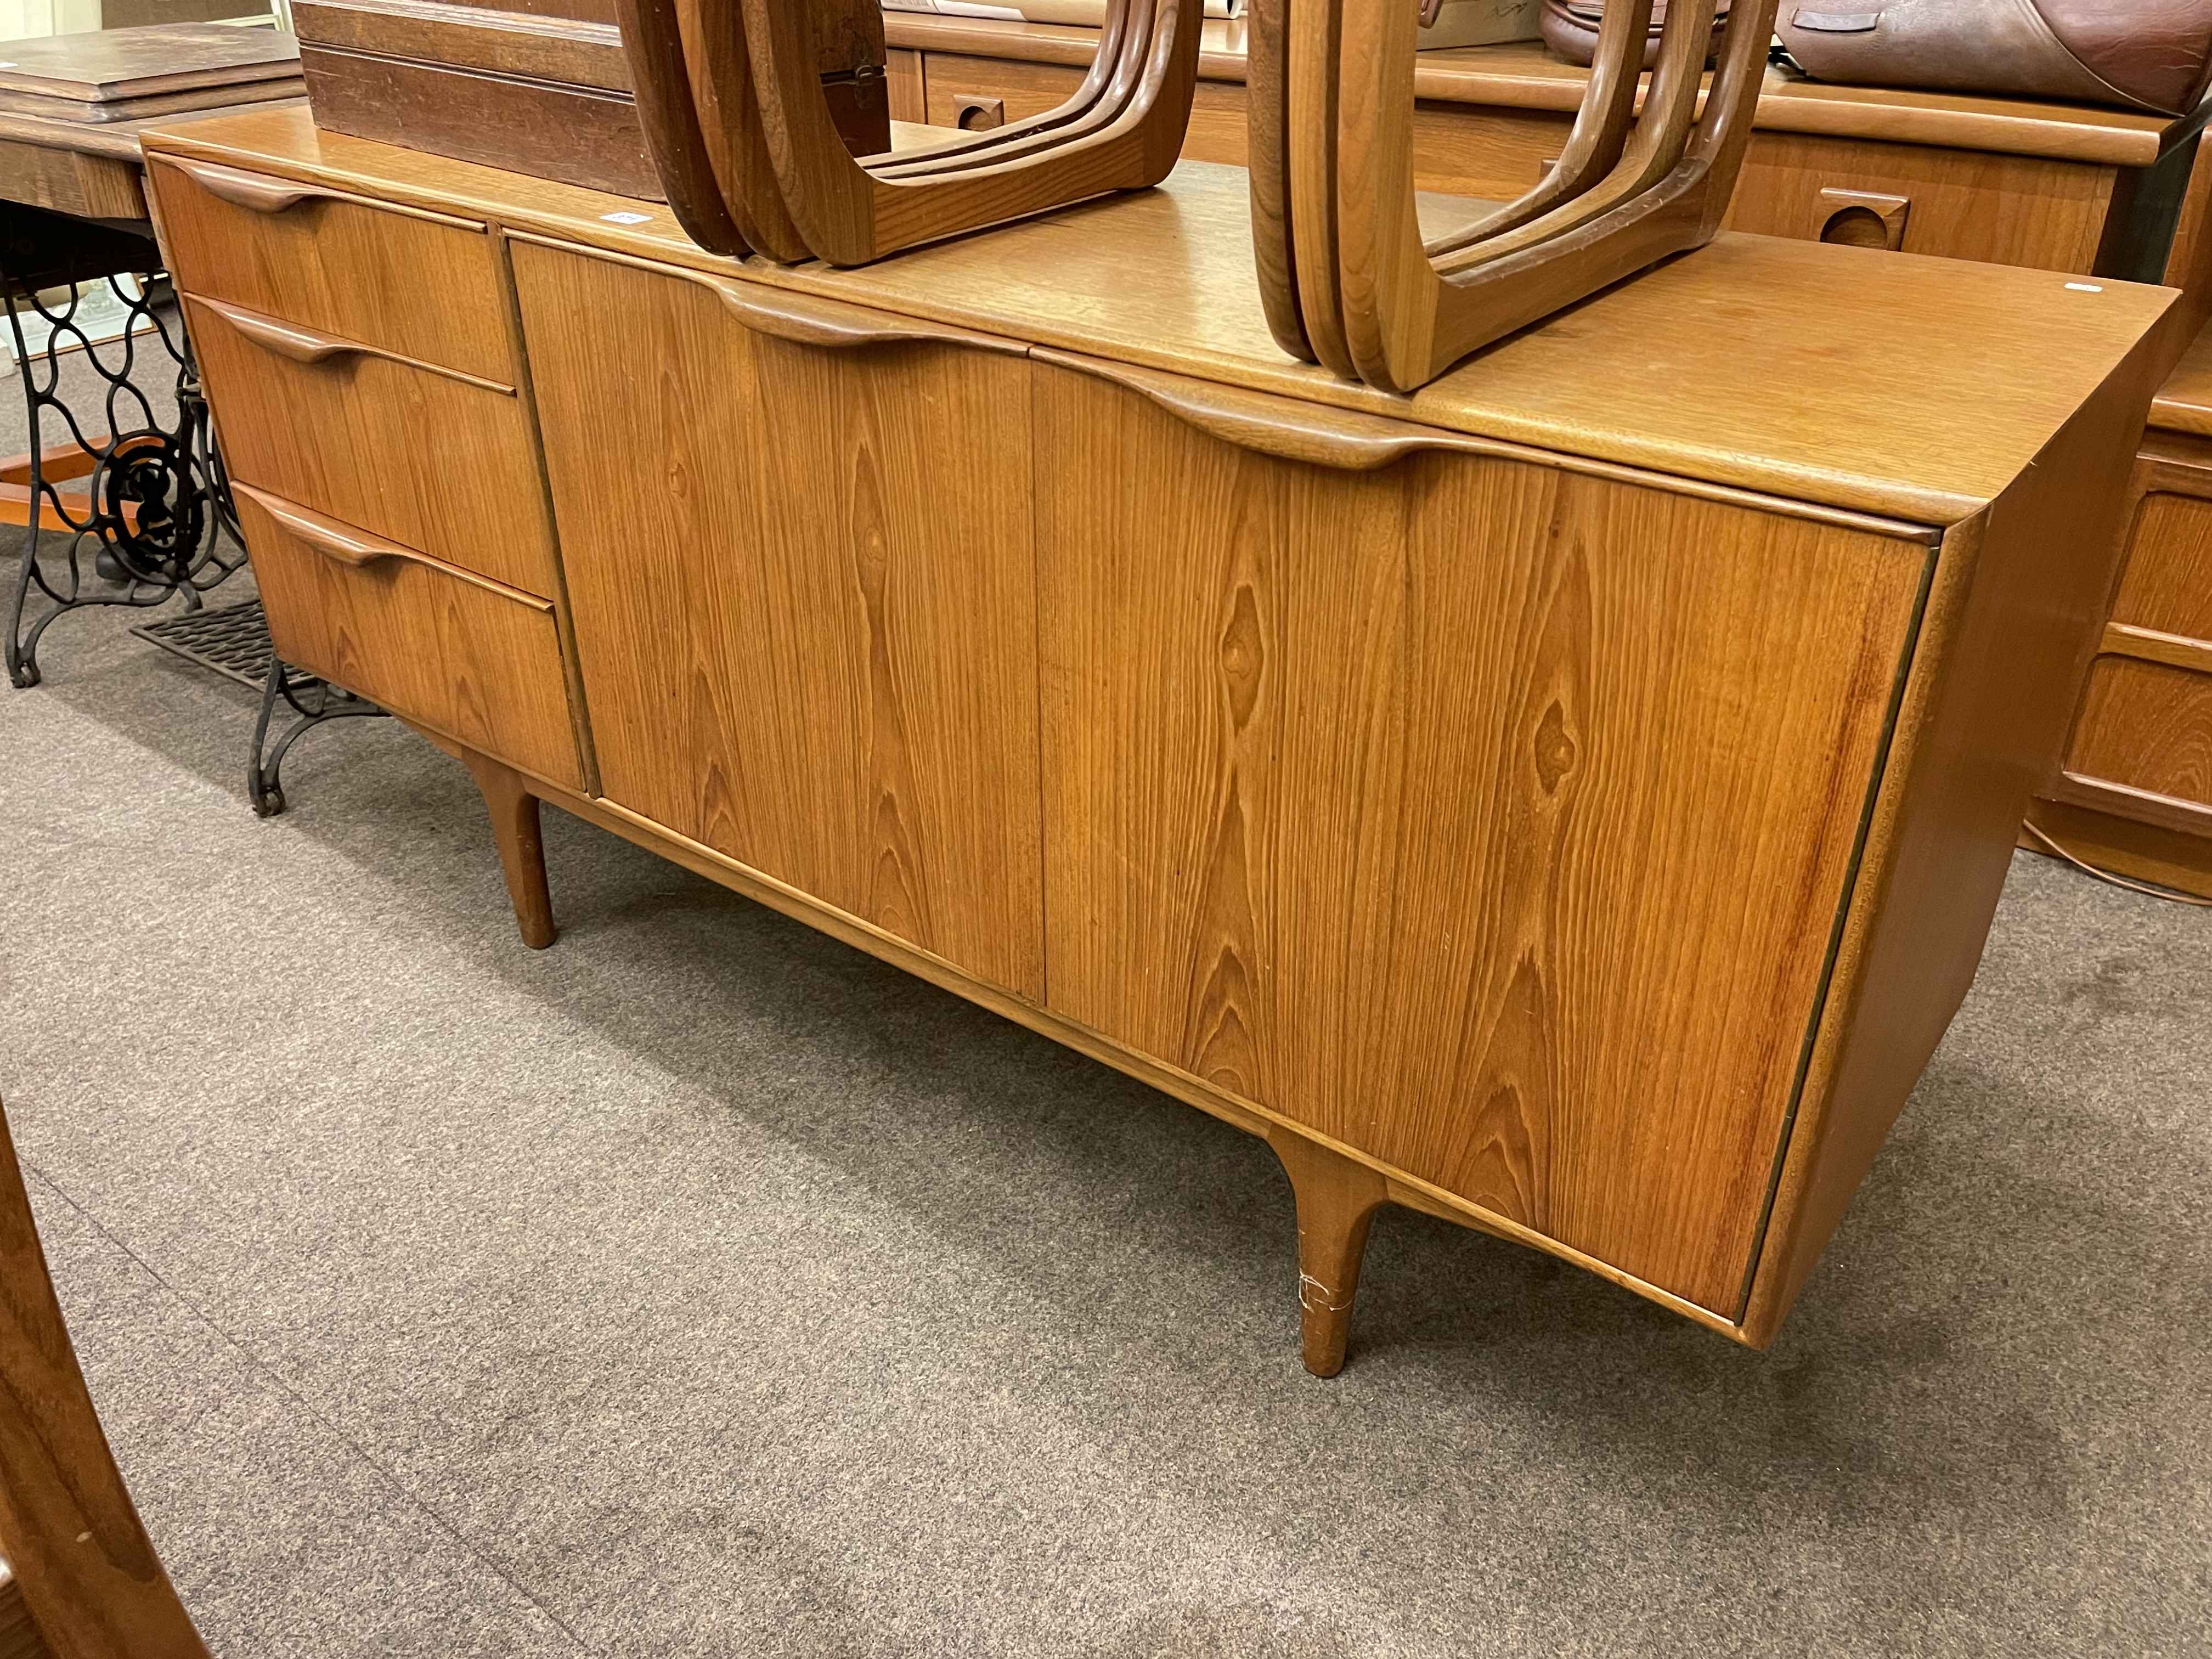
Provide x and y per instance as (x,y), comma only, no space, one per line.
(654,43)
(849,214)
(1347,277)
(1114,73)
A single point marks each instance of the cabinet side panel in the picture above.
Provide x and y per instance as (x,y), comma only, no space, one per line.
(805,615)
(2018,603)
(1490,819)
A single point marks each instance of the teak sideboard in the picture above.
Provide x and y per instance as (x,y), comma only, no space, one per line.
(1570,800)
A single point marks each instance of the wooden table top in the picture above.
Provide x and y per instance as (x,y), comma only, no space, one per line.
(117,140)
(1881,383)
(113,65)
(1522,75)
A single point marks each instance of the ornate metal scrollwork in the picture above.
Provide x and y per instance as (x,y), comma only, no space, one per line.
(147,526)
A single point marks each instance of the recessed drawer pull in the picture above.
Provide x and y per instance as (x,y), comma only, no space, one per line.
(302,344)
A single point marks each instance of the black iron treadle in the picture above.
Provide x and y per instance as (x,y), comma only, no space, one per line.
(234,641)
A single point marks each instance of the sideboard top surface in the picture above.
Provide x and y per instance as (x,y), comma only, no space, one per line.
(1912,388)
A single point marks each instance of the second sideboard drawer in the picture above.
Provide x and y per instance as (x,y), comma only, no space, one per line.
(2166,582)
(420,284)
(475,661)
(427,458)
(2147,725)
(1954,203)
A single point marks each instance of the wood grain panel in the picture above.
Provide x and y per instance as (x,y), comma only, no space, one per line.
(478,662)
(578,135)
(806,616)
(63,181)
(2167,583)
(1965,204)
(2010,621)
(1352,819)
(2148,726)
(903,75)
(422,286)
(441,463)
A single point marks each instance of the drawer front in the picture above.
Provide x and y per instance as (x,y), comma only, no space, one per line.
(2167,582)
(420,285)
(1954,203)
(477,662)
(2147,726)
(417,455)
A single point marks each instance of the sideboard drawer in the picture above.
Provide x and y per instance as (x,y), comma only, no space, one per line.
(475,661)
(426,457)
(2146,726)
(1954,203)
(1957,204)
(423,285)
(2166,582)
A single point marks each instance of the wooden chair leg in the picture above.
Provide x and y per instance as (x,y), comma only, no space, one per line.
(1337,1199)
(515,827)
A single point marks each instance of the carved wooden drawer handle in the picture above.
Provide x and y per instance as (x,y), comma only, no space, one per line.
(807,320)
(311,347)
(250,191)
(342,542)
(293,340)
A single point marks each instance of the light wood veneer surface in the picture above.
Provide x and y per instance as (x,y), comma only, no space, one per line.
(1925,417)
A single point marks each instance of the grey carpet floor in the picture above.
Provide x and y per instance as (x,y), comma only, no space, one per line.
(700,1286)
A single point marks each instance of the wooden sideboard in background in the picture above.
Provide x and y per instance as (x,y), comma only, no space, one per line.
(1015,610)
(2134,793)
(2009,181)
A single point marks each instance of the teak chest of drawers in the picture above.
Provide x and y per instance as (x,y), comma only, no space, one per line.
(1569,800)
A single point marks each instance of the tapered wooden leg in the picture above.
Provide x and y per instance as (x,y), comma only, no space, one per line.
(514,811)
(1336,1199)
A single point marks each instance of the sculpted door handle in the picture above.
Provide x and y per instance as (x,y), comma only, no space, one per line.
(807,320)
(1285,428)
